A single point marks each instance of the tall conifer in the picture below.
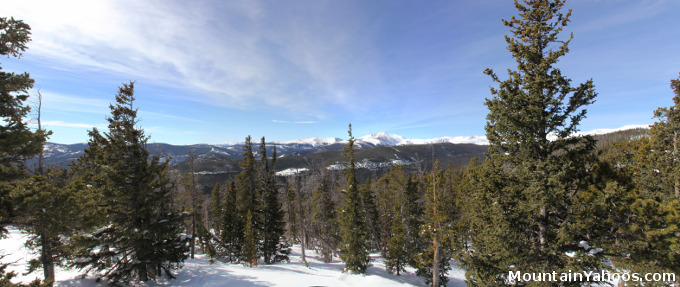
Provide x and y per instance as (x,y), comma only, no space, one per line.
(138,235)
(274,247)
(535,169)
(651,242)
(231,228)
(354,246)
(17,141)
(324,221)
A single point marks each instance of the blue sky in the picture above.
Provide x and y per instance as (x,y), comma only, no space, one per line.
(217,71)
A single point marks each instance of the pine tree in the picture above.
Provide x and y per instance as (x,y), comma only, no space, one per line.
(375,234)
(535,170)
(216,195)
(413,219)
(665,135)
(397,249)
(291,213)
(17,141)
(47,206)
(192,200)
(232,228)
(392,197)
(248,202)
(354,246)
(249,242)
(433,262)
(274,248)
(324,221)
(138,235)
(650,234)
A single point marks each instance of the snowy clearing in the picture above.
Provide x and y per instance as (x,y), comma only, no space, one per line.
(200,272)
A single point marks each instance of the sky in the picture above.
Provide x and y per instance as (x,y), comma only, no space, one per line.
(218,71)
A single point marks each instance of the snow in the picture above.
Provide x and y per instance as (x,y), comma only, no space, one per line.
(606,131)
(211,172)
(291,171)
(201,272)
(385,139)
(315,142)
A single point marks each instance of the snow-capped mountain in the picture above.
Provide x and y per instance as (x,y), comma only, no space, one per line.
(60,153)
(314,142)
(385,139)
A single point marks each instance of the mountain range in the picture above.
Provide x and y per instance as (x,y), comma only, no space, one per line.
(375,153)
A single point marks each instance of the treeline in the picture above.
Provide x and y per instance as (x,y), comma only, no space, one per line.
(542,201)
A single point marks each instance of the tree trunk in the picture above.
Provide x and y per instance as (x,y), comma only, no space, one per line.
(46,257)
(143,276)
(46,254)
(193,235)
(303,234)
(435,263)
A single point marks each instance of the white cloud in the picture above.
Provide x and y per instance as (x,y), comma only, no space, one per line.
(69,103)
(298,56)
(623,14)
(49,124)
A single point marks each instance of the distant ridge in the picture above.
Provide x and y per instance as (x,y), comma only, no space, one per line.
(63,154)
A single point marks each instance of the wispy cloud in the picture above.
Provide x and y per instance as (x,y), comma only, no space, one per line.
(298,122)
(144,113)
(296,56)
(70,103)
(622,14)
(48,124)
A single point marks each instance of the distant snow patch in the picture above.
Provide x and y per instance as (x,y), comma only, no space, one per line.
(291,171)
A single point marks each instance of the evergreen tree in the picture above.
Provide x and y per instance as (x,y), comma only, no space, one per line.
(649,238)
(434,258)
(47,206)
(17,141)
(393,201)
(413,219)
(192,201)
(397,248)
(324,221)
(665,136)
(354,246)
(139,235)
(248,202)
(215,215)
(274,248)
(375,234)
(536,169)
(291,213)
(250,242)
(231,230)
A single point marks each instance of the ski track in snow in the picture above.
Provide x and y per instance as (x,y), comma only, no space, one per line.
(200,272)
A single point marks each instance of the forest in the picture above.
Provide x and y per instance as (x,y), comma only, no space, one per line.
(542,200)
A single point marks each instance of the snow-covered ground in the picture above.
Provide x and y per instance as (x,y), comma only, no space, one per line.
(200,272)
